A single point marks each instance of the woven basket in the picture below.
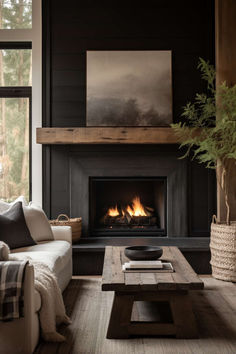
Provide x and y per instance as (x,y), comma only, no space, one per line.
(223,250)
(75,223)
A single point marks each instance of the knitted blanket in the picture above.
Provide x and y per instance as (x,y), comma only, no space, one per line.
(52,312)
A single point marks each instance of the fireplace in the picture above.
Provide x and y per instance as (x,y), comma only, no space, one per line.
(127,206)
(94,176)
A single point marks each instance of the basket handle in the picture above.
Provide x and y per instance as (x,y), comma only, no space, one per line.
(63,215)
(214,219)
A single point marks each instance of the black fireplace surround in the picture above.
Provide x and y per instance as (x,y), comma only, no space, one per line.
(90,171)
(86,168)
(84,176)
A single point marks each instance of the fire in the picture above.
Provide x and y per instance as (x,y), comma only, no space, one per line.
(130,211)
(136,209)
(113,211)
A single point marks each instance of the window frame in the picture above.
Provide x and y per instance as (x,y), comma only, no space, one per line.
(15,37)
(20,92)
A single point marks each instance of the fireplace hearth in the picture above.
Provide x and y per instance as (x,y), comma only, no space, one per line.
(128,206)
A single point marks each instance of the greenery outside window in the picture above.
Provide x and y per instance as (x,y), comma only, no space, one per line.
(15,14)
(15,120)
(20,29)
(16,65)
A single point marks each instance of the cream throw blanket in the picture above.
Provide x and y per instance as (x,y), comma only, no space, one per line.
(52,311)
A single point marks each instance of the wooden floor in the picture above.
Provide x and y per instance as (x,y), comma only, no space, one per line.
(89,309)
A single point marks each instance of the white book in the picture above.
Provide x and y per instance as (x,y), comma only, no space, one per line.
(167,268)
(144,264)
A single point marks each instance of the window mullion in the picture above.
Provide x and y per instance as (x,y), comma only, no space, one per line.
(15,45)
(16,35)
(16,91)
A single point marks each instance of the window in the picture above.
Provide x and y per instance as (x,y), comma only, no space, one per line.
(16,66)
(15,147)
(20,28)
(15,122)
(15,14)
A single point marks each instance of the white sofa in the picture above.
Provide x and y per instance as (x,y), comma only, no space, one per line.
(22,335)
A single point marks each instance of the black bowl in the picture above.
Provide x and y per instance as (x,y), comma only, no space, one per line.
(144,253)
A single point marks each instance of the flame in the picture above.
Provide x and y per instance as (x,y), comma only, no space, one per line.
(130,211)
(113,211)
(137,208)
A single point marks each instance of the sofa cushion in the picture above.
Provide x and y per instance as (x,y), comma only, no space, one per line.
(13,229)
(56,254)
(37,222)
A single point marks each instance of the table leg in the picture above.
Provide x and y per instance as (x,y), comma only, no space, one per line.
(183,317)
(183,326)
(120,316)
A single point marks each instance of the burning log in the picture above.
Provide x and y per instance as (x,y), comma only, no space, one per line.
(133,215)
(148,211)
(127,216)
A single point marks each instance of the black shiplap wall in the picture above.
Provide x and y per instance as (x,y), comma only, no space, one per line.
(71,27)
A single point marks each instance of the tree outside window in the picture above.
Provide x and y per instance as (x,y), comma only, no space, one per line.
(16,14)
(15,104)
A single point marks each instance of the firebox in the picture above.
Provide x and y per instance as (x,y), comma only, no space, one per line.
(128,206)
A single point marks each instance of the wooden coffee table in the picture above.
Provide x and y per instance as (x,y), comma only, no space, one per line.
(171,288)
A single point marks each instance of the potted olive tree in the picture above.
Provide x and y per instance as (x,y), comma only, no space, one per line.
(210,133)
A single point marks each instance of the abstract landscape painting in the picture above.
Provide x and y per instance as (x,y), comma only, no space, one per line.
(129,88)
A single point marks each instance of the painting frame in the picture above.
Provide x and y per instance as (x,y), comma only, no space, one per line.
(137,96)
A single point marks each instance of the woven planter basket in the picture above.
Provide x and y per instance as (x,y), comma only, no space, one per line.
(223,250)
(75,223)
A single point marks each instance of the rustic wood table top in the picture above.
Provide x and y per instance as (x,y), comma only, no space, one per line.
(114,279)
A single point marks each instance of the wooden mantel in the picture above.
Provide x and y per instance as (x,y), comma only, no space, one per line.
(106,135)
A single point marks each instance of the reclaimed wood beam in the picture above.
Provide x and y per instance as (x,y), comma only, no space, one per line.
(106,135)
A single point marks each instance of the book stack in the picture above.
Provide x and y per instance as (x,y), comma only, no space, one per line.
(147,267)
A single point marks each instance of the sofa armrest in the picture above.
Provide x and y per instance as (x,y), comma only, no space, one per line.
(21,335)
(62,233)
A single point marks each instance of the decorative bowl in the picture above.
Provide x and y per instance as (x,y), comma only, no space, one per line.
(144,253)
